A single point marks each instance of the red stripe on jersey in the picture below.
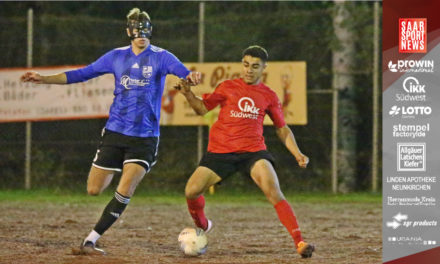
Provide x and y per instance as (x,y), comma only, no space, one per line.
(239,127)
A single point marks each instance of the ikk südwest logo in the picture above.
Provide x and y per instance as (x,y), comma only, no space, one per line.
(248,109)
(412,35)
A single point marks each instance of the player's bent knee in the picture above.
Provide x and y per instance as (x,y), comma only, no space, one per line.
(278,198)
(275,196)
(192,193)
(189,194)
(93,191)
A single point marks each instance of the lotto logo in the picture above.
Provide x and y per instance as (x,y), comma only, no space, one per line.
(410,111)
(412,35)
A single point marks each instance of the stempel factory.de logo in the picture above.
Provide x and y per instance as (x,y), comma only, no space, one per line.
(412,35)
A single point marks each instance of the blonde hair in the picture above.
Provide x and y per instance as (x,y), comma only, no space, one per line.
(137,14)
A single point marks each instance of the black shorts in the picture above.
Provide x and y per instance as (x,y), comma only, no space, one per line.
(116,149)
(225,164)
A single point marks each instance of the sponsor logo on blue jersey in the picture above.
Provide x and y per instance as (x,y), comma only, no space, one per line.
(126,81)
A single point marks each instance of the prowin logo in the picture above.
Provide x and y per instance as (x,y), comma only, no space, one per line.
(410,111)
(247,107)
(411,66)
(392,67)
(127,82)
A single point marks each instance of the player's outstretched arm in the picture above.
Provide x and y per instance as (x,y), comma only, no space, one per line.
(194,78)
(35,77)
(286,136)
(195,102)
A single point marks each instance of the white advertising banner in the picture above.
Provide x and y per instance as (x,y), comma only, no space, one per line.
(37,102)
(92,99)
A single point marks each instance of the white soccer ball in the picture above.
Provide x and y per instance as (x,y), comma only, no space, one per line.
(193,241)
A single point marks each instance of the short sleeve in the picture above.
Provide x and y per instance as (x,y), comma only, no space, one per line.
(213,99)
(172,65)
(101,66)
(275,112)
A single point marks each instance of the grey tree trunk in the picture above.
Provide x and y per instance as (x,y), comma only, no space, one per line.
(343,81)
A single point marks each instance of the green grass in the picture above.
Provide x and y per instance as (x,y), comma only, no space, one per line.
(66,196)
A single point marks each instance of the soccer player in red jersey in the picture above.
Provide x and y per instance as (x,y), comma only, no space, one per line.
(236,142)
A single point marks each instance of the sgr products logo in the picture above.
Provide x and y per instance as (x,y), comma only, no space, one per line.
(247,107)
(415,91)
(410,111)
(411,66)
(412,35)
(403,221)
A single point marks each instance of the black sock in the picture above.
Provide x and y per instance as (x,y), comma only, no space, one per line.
(111,213)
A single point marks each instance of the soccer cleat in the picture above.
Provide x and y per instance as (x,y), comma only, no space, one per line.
(208,229)
(305,249)
(89,248)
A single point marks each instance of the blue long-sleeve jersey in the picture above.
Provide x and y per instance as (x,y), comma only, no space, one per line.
(139,84)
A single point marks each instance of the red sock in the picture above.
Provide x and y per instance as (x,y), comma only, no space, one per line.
(288,219)
(195,208)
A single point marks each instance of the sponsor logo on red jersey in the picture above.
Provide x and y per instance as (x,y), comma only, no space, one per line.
(247,107)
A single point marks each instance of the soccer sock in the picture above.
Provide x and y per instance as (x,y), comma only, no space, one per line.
(195,208)
(111,213)
(92,237)
(288,219)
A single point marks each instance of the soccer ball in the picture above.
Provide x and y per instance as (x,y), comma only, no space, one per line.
(193,241)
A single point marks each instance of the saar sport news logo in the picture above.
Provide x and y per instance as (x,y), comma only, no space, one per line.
(247,108)
(414,91)
(411,66)
(412,35)
(409,111)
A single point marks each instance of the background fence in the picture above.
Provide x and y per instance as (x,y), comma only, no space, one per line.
(71,33)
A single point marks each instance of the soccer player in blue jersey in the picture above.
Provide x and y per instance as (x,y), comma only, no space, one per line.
(131,135)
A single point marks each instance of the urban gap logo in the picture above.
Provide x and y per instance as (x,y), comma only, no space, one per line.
(412,35)
(410,111)
(414,90)
(411,66)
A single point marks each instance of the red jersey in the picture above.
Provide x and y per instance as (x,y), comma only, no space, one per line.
(239,127)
